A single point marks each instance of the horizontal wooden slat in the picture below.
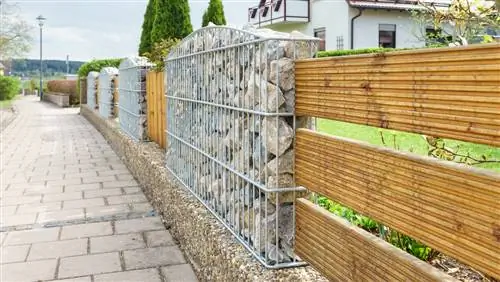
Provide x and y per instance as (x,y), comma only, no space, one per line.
(450,92)
(447,206)
(343,252)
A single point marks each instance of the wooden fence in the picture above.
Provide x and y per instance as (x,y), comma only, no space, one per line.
(156,104)
(450,92)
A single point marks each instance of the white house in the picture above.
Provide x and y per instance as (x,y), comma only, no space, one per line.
(345,24)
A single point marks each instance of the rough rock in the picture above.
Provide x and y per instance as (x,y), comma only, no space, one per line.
(278,135)
(283,73)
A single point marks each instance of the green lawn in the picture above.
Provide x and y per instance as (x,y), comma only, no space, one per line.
(7,103)
(406,141)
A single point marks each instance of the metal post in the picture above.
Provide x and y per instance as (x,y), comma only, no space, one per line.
(41,66)
(41,20)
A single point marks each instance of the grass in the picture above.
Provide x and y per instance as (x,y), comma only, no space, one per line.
(408,142)
(4,104)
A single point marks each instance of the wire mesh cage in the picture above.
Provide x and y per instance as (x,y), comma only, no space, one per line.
(108,90)
(230,131)
(92,89)
(132,104)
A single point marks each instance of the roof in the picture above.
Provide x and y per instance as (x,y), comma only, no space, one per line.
(396,4)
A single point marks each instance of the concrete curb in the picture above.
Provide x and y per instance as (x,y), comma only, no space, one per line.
(212,250)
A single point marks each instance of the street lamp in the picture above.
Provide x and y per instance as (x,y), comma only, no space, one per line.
(41,21)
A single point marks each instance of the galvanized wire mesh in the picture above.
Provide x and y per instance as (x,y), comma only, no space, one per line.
(132,104)
(92,89)
(107,88)
(230,131)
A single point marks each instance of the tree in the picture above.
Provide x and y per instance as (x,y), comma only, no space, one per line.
(147,25)
(214,13)
(464,20)
(15,37)
(172,20)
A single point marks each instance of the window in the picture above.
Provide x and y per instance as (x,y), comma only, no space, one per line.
(321,34)
(387,35)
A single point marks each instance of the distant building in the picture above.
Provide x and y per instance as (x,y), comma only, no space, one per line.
(346,24)
(2,69)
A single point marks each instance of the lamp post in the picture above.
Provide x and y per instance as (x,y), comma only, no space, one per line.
(41,21)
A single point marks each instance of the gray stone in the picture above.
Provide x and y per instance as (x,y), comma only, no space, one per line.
(58,249)
(146,275)
(116,243)
(281,164)
(179,273)
(89,264)
(283,74)
(278,135)
(29,271)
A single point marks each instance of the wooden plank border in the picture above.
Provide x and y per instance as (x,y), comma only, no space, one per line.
(447,206)
(343,252)
(449,92)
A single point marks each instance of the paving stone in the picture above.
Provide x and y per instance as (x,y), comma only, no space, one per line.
(39,178)
(10,201)
(118,184)
(18,219)
(32,236)
(83,203)
(80,175)
(99,179)
(116,243)
(179,273)
(89,264)
(142,207)
(123,177)
(7,210)
(127,199)
(79,279)
(28,271)
(105,211)
(159,238)
(132,190)
(64,181)
(14,253)
(61,215)
(102,193)
(86,230)
(45,207)
(138,225)
(13,193)
(62,197)
(57,249)
(113,172)
(44,190)
(149,275)
(151,257)
(82,187)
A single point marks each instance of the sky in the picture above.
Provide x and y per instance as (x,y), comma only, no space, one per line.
(87,29)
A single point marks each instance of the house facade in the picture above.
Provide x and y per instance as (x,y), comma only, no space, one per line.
(344,24)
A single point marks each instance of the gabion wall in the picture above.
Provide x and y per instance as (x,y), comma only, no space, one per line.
(108,80)
(92,89)
(230,131)
(132,104)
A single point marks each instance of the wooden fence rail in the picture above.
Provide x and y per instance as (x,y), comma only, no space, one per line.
(450,92)
(156,104)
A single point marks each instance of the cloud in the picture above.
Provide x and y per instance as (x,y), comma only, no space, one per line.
(87,29)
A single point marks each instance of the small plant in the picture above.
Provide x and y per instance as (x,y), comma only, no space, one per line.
(160,52)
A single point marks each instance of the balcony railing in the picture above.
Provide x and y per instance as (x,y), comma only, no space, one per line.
(279,11)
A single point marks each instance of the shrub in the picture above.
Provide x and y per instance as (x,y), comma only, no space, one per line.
(160,51)
(62,86)
(9,87)
(97,65)
(172,20)
(145,45)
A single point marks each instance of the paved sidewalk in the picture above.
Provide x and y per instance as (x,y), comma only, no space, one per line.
(69,207)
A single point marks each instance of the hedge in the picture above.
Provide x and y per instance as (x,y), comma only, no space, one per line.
(97,65)
(9,87)
(336,53)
